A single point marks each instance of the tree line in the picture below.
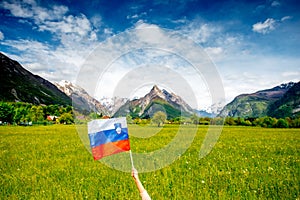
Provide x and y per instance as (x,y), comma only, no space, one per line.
(267,122)
(26,113)
(160,118)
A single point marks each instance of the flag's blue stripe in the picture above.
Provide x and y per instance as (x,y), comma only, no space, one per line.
(107,136)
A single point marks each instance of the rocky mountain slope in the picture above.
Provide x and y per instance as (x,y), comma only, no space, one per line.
(288,105)
(81,100)
(156,100)
(18,84)
(255,104)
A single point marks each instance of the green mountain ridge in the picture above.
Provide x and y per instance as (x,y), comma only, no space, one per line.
(264,102)
(156,100)
(288,105)
(19,85)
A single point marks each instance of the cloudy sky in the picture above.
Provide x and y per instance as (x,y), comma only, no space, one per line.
(254,45)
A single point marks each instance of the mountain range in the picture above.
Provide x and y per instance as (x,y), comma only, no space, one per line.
(81,100)
(156,100)
(288,105)
(265,102)
(19,85)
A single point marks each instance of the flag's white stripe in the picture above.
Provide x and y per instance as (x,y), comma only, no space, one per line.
(105,124)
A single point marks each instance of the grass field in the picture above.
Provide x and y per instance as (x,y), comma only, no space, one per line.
(50,162)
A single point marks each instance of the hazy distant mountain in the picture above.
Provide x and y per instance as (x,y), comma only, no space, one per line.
(18,84)
(112,105)
(255,104)
(204,113)
(81,100)
(156,100)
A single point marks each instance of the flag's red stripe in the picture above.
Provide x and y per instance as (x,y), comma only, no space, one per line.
(110,148)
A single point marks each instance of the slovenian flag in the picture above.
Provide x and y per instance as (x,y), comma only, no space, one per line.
(108,137)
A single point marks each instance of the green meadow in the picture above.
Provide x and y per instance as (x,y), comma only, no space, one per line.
(51,162)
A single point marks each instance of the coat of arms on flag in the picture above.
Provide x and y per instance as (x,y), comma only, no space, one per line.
(108,137)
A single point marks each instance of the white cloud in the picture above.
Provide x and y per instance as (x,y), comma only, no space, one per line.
(264,27)
(291,74)
(253,72)
(30,9)
(268,25)
(27,45)
(136,16)
(200,32)
(42,14)
(53,64)
(77,25)
(96,21)
(132,16)
(213,38)
(1,35)
(275,3)
(108,31)
(142,24)
(76,28)
(17,9)
(285,18)
(54,19)
(214,52)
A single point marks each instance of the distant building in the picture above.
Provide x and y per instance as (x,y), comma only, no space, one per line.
(52,118)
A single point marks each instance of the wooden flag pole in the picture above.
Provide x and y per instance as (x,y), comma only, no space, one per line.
(130,153)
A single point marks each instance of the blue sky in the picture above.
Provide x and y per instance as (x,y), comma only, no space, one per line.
(253,44)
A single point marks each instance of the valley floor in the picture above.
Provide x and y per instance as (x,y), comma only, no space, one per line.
(51,162)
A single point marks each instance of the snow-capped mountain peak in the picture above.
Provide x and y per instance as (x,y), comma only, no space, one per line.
(80,98)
